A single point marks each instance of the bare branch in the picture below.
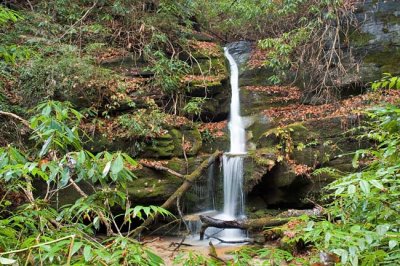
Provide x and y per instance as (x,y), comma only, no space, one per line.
(23,121)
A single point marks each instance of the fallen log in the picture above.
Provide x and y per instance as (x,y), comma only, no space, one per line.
(249,224)
(189,179)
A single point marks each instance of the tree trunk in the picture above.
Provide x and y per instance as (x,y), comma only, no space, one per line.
(280,219)
(189,179)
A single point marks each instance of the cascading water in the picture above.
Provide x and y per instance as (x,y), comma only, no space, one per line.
(236,125)
(233,160)
(233,205)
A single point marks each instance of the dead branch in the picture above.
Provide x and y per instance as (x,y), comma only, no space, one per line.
(102,218)
(189,179)
(161,168)
(229,241)
(23,121)
(79,20)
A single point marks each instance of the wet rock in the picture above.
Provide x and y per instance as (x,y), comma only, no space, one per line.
(311,144)
(373,48)
(209,80)
(240,51)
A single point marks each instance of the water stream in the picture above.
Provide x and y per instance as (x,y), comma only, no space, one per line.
(233,195)
(233,160)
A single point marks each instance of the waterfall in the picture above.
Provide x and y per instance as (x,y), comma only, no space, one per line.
(233,160)
(236,126)
(233,205)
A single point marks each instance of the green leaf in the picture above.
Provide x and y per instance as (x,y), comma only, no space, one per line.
(96,223)
(117,165)
(76,247)
(351,189)
(364,186)
(154,259)
(382,229)
(106,169)
(45,146)
(376,184)
(339,190)
(6,261)
(392,244)
(81,157)
(129,160)
(87,253)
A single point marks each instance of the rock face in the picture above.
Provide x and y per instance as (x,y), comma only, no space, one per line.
(171,144)
(302,147)
(208,79)
(377,42)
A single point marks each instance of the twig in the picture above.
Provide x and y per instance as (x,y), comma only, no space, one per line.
(162,168)
(101,215)
(213,253)
(36,246)
(179,244)
(79,20)
(150,241)
(229,242)
(23,121)
(30,5)
(184,154)
(71,245)
(182,244)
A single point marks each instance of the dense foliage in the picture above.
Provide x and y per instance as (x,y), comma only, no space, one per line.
(362,225)
(46,229)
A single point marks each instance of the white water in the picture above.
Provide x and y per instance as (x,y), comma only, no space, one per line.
(233,206)
(236,125)
(233,161)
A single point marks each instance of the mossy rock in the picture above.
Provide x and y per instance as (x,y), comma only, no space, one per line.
(298,133)
(154,187)
(207,88)
(210,66)
(170,145)
(359,39)
(256,165)
(387,61)
(191,136)
(218,143)
(314,142)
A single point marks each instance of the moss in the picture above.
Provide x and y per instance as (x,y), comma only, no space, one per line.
(196,141)
(207,81)
(387,18)
(159,152)
(176,164)
(387,60)
(264,157)
(152,188)
(217,52)
(177,141)
(210,66)
(358,38)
